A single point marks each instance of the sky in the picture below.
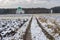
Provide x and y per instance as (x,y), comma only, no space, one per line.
(29,3)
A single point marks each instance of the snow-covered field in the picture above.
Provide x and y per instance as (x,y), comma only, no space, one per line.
(14,27)
(10,28)
(51,24)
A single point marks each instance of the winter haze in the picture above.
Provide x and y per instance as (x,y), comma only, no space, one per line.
(29,3)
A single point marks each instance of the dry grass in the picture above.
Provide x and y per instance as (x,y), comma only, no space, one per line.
(50,26)
(54,27)
(43,20)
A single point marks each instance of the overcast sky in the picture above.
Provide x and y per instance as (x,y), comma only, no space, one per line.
(29,3)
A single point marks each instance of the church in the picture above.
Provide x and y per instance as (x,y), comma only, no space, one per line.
(19,10)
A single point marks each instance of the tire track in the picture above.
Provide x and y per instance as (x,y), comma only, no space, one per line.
(45,32)
(36,31)
(27,35)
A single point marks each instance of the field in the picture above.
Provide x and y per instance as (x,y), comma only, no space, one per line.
(30,27)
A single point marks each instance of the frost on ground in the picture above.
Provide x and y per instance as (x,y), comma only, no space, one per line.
(21,32)
(51,25)
(12,29)
(36,31)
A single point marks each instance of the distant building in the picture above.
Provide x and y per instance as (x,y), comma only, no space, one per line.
(51,11)
(19,11)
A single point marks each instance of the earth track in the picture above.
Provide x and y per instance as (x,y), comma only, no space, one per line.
(45,32)
(27,35)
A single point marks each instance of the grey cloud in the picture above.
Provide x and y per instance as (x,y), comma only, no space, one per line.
(29,3)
